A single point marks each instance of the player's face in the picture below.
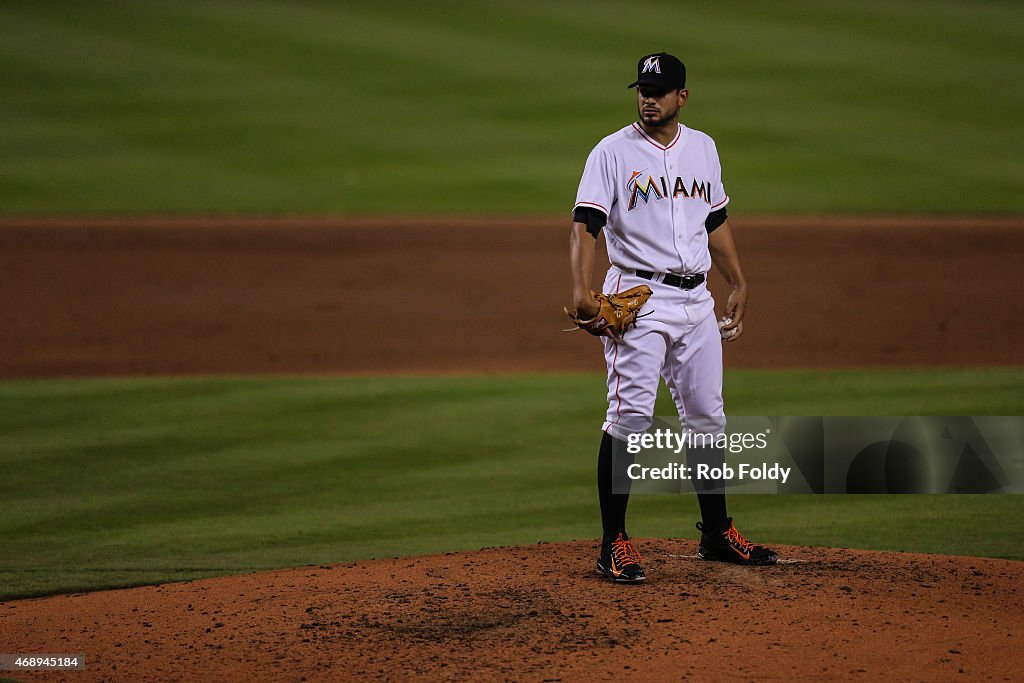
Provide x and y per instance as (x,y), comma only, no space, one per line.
(657,107)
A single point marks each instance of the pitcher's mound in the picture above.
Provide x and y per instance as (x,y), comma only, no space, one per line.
(540,613)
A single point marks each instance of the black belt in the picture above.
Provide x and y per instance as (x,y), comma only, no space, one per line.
(680,281)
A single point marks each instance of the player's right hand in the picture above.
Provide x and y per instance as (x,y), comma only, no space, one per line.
(587,308)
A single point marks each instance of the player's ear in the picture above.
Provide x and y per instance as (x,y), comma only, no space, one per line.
(683,94)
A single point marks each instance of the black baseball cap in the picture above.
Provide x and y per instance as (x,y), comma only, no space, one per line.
(660,70)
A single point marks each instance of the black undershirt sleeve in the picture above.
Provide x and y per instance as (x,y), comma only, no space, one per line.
(591,217)
(715,219)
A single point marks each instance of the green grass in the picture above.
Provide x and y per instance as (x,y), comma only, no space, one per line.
(302,106)
(120,482)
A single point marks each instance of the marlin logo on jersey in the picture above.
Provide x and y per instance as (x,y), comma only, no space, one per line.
(645,189)
(652,65)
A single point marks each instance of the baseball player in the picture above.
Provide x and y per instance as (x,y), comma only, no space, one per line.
(655,189)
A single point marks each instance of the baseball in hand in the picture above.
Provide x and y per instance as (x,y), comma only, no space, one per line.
(729,334)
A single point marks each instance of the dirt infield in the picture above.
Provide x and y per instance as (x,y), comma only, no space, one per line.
(123,296)
(538,614)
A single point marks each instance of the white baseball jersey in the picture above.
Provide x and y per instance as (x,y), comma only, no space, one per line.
(656,198)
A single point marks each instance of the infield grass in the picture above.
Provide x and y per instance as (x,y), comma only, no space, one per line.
(112,483)
(454,107)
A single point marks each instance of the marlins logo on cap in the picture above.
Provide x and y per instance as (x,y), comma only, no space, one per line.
(660,70)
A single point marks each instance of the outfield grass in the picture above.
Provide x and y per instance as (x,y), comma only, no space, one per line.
(120,482)
(302,106)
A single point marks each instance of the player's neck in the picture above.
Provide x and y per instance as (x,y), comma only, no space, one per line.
(664,133)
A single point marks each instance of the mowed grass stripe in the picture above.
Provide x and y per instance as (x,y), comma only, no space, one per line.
(447,107)
(119,482)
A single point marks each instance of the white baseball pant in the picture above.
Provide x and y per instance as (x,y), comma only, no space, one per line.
(680,342)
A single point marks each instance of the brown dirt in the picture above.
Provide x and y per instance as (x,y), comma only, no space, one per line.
(130,296)
(537,613)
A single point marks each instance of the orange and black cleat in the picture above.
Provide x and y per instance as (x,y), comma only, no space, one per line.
(726,544)
(620,561)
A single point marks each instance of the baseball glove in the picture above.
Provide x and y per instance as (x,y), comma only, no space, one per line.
(618,313)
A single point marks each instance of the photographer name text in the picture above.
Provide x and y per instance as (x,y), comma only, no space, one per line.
(742,472)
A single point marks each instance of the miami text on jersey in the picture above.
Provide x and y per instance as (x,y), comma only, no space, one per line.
(639,189)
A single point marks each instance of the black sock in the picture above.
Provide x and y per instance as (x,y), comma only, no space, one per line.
(712,510)
(713,514)
(613,505)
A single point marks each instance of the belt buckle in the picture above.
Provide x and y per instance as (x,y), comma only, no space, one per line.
(687,281)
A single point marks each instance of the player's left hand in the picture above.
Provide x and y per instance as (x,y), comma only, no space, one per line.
(617,312)
(735,307)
